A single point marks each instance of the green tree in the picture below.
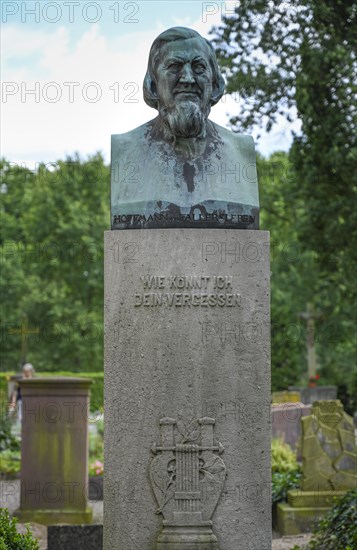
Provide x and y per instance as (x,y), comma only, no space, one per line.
(293,270)
(55,253)
(299,59)
(13,281)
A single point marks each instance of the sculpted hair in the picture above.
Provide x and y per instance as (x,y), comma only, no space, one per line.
(170,35)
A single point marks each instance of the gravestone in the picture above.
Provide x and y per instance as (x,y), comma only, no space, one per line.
(187,325)
(329,467)
(286,423)
(54,450)
(317,393)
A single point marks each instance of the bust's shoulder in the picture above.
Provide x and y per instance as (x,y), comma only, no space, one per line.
(242,141)
(133,136)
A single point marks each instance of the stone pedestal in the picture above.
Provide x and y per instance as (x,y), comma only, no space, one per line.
(78,537)
(187,390)
(54,450)
(304,510)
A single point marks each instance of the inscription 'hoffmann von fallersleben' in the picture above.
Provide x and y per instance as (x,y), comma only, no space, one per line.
(211,296)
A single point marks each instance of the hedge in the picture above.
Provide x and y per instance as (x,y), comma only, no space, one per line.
(96,401)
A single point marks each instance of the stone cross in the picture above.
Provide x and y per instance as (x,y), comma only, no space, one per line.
(310,317)
(24,331)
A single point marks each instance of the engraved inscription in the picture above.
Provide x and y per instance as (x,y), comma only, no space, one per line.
(215,291)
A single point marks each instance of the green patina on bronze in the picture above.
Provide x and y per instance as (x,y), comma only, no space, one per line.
(181,169)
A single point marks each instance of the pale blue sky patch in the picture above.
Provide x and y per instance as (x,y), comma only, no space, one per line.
(72,73)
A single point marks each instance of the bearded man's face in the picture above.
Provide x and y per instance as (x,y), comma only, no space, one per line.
(184,86)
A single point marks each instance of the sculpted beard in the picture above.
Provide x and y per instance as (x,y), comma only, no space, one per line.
(184,119)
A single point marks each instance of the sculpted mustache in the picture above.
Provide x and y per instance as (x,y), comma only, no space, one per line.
(187,90)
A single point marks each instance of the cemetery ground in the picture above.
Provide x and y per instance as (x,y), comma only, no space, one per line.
(40,531)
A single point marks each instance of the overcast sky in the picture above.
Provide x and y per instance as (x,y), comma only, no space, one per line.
(72,73)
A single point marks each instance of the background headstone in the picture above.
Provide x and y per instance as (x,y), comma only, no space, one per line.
(318,393)
(54,450)
(328,448)
(328,471)
(286,423)
(286,397)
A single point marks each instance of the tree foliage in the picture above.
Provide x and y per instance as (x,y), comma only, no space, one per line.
(52,257)
(289,60)
(337,530)
(52,270)
(299,59)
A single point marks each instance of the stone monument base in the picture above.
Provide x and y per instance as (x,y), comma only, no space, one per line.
(184,537)
(49,517)
(54,450)
(80,537)
(187,390)
(304,510)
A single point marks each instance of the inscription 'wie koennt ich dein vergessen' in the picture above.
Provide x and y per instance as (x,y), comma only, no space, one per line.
(214,291)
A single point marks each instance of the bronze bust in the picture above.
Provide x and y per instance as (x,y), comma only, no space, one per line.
(181,169)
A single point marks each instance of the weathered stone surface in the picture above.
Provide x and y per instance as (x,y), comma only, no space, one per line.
(327,471)
(309,427)
(54,450)
(286,397)
(292,521)
(332,448)
(172,369)
(305,499)
(75,537)
(344,479)
(312,447)
(319,393)
(347,423)
(347,438)
(95,488)
(325,435)
(286,423)
(318,481)
(347,462)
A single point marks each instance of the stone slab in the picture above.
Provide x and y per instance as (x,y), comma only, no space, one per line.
(319,393)
(48,517)
(54,450)
(293,521)
(205,356)
(95,488)
(286,397)
(75,537)
(312,499)
(286,423)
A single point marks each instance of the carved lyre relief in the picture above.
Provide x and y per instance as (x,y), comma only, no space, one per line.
(187,476)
